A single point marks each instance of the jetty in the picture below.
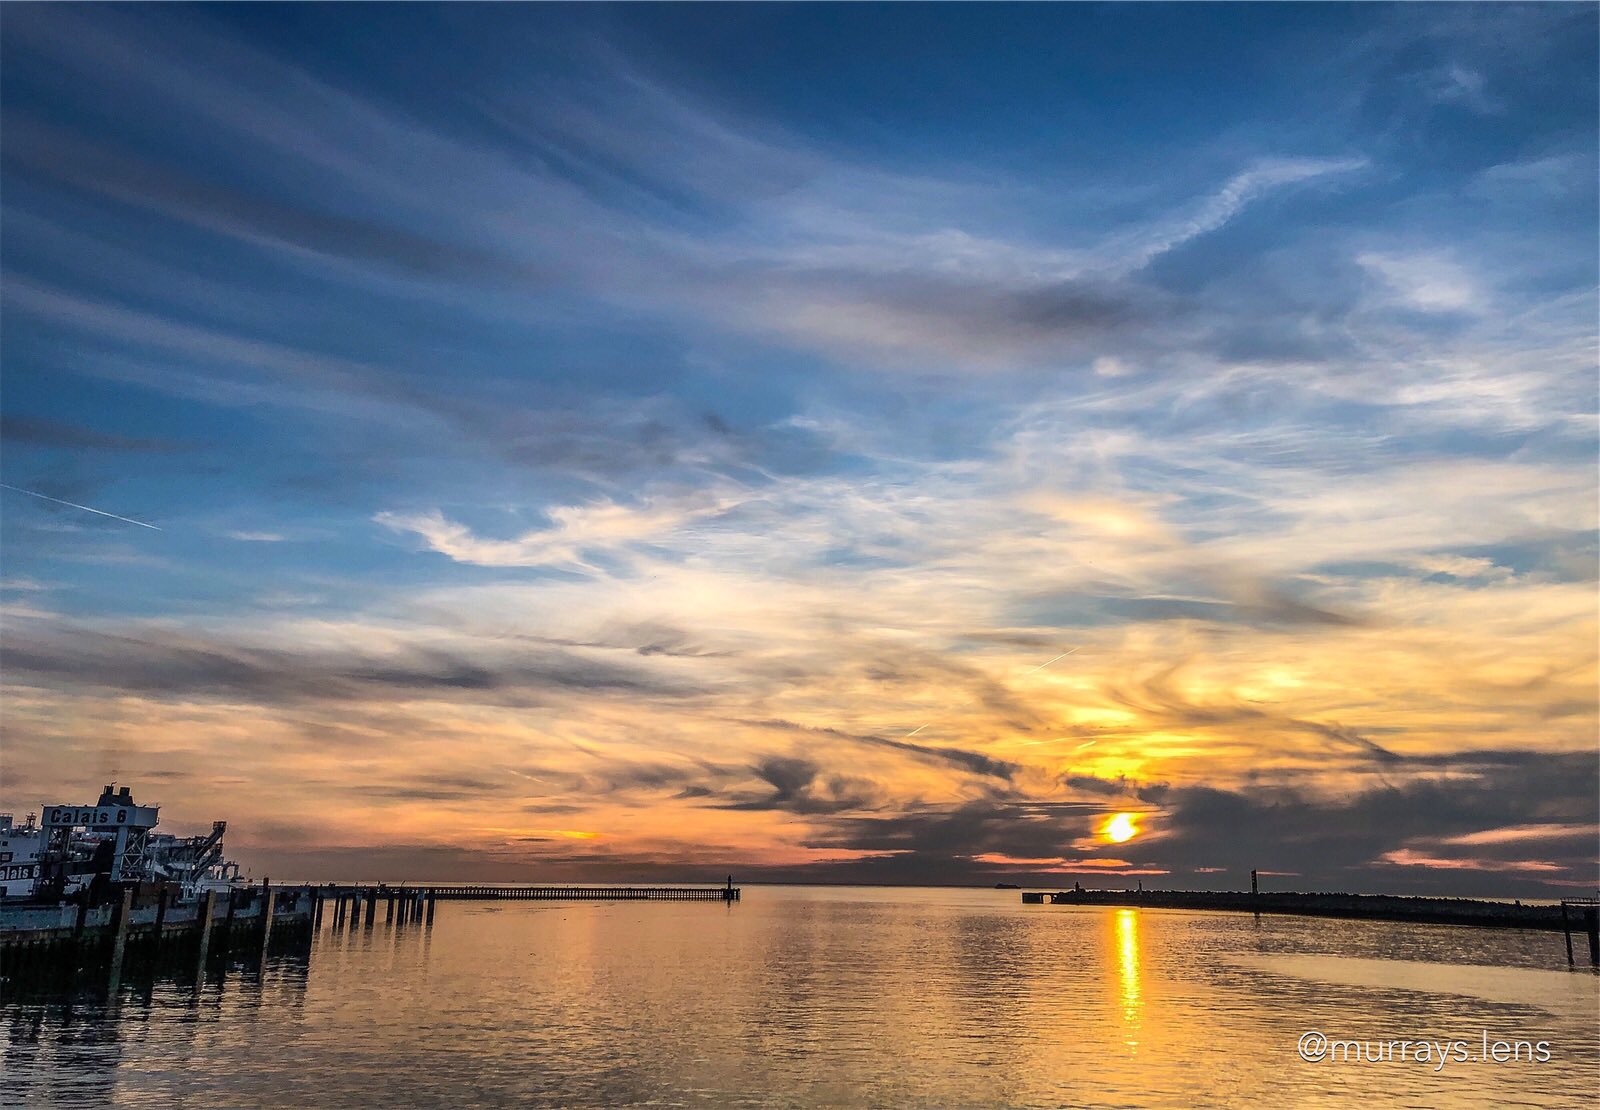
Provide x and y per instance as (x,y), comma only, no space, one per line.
(90,885)
(480,892)
(1568,916)
(407,901)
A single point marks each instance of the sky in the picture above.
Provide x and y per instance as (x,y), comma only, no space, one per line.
(815,443)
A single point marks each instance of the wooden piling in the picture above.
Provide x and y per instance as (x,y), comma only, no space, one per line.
(161,915)
(269,903)
(119,942)
(372,907)
(1591,924)
(227,926)
(430,907)
(208,916)
(1566,929)
(388,911)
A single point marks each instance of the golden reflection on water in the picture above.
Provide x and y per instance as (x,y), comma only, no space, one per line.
(817,996)
(1127,959)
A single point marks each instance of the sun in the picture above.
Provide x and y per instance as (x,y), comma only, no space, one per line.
(1119,828)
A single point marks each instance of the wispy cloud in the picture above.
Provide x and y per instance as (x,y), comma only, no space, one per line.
(715,476)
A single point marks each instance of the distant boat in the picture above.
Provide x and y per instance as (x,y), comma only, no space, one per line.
(1007,886)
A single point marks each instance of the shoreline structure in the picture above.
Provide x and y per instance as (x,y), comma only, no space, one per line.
(1570,915)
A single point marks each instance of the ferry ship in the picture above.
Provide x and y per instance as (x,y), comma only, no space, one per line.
(78,848)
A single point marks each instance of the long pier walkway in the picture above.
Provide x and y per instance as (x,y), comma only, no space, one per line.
(485,892)
(416,902)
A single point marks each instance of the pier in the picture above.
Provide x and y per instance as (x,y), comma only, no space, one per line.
(350,894)
(146,916)
(145,922)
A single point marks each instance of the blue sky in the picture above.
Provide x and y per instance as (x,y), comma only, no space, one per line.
(635,419)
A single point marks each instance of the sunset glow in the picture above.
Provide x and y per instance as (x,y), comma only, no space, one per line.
(613,466)
(1120,827)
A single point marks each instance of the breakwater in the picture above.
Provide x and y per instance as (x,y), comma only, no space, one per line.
(1581,915)
(1379,907)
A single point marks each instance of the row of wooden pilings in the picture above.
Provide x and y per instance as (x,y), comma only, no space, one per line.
(272,901)
(219,918)
(1588,912)
(402,906)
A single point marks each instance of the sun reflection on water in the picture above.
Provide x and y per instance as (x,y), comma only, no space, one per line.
(1127,936)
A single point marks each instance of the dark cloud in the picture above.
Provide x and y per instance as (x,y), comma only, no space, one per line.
(799,786)
(695,778)
(1159,704)
(1335,843)
(73,437)
(975,316)
(1089,784)
(171,665)
(921,669)
(976,762)
(1317,843)
(429,789)
(953,835)
(35,148)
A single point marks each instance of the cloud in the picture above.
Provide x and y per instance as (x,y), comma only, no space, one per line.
(775,463)
(36,148)
(1517,834)
(72,437)
(575,532)
(977,763)
(1429,283)
(1456,83)
(1332,840)
(1227,202)
(798,786)
(1406,857)
(162,664)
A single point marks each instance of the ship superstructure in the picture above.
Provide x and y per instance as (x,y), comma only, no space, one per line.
(113,841)
(19,855)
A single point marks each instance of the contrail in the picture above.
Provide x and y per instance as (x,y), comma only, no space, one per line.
(1047,662)
(1057,740)
(85,508)
(1040,667)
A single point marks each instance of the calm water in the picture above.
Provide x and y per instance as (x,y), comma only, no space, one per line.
(843,996)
